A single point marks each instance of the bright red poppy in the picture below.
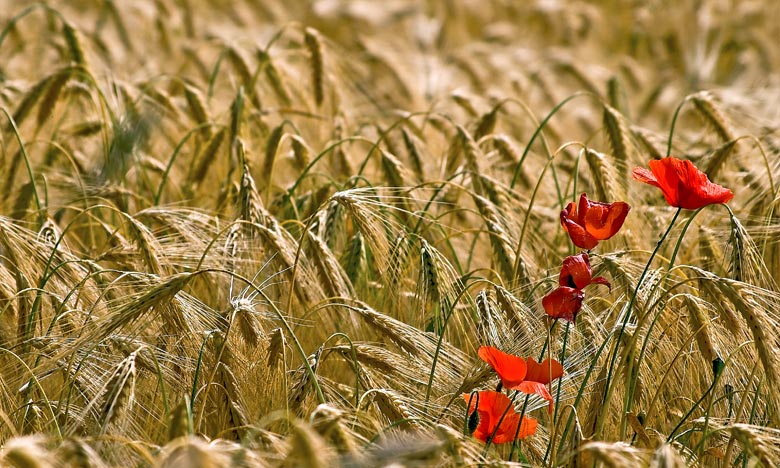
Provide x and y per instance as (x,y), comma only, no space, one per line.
(682,183)
(563,303)
(525,375)
(537,378)
(590,221)
(576,272)
(491,408)
(510,369)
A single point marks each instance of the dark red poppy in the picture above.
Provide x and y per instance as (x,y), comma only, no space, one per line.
(491,408)
(682,183)
(525,375)
(590,221)
(563,303)
(576,272)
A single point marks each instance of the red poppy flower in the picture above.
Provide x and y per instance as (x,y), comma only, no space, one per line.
(576,272)
(682,183)
(537,378)
(525,375)
(543,372)
(590,221)
(491,408)
(510,369)
(564,303)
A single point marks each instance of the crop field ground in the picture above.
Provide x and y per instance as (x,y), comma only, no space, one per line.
(278,233)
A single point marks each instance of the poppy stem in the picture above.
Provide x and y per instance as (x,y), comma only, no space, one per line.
(672,126)
(672,434)
(609,388)
(557,397)
(519,426)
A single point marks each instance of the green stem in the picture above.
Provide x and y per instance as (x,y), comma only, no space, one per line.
(672,126)
(557,395)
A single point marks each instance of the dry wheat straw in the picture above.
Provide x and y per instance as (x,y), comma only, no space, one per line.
(710,111)
(300,151)
(486,124)
(250,205)
(55,85)
(29,100)
(74,44)
(308,449)
(330,273)
(700,325)
(651,143)
(240,65)
(273,77)
(614,454)
(410,143)
(197,106)
(756,444)
(204,160)
(328,421)
(26,452)
(77,453)
(755,317)
(354,261)
(120,392)
(276,346)
(300,387)
(665,456)
(191,451)
(713,162)
(618,136)
(393,170)
(429,273)
(606,176)
(311,39)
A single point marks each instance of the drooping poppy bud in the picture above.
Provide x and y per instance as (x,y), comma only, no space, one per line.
(576,272)
(563,303)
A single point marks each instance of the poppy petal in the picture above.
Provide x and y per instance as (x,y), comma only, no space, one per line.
(494,407)
(582,207)
(579,236)
(506,432)
(643,175)
(563,302)
(668,172)
(536,388)
(601,280)
(543,372)
(510,369)
(703,192)
(604,220)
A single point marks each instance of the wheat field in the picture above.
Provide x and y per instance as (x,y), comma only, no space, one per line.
(270,233)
